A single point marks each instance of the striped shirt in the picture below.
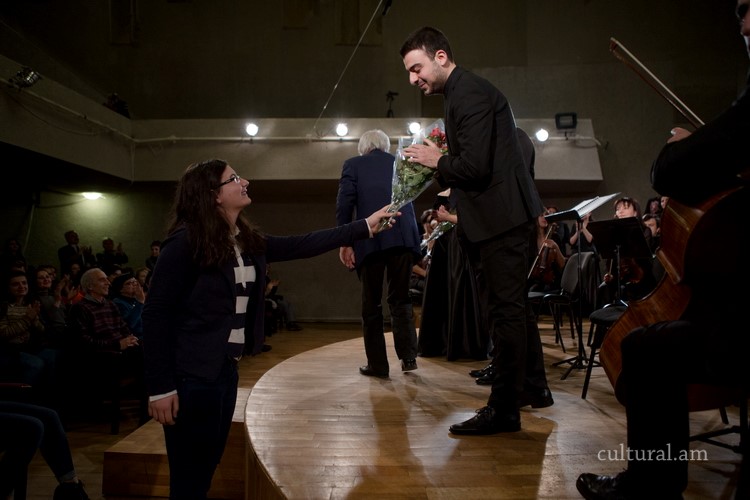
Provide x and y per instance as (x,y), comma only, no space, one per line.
(244,279)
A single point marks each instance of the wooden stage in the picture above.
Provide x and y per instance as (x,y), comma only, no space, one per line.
(315,428)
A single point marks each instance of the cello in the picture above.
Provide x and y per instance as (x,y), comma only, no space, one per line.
(690,236)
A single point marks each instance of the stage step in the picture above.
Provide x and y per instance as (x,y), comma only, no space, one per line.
(137,465)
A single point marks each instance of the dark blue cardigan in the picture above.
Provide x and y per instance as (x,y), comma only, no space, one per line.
(188,313)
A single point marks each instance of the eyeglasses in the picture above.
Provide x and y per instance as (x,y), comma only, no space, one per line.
(232,178)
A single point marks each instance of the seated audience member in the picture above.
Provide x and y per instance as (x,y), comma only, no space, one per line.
(143,275)
(23,356)
(26,428)
(155,250)
(72,283)
(108,349)
(96,320)
(129,298)
(54,312)
(111,258)
(11,255)
(276,301)
(116,273)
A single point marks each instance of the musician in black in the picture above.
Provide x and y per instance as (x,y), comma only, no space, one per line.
(709,343)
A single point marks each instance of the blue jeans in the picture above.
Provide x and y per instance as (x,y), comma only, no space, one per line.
(196,442)
(24,429)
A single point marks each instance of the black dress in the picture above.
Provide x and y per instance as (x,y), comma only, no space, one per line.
(452,322)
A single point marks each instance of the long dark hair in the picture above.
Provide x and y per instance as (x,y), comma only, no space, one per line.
(208,231)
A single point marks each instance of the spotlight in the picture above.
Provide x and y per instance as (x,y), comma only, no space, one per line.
(342,129)
(566,121)
(25,78)
(251,129)
(414,127)
(541,135)
(92,195)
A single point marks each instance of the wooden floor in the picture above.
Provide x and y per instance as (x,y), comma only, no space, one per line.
(321,430)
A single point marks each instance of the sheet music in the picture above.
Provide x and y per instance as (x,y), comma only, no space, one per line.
(579,211)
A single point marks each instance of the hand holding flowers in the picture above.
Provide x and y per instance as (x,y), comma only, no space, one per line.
(410,176)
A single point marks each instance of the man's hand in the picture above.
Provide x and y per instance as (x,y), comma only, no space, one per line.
(127,342)
(164,410)
(140,295)
(426,154)
(678,134)
(346,256)
(444,215)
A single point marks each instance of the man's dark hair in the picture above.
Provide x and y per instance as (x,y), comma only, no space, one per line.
(428,39)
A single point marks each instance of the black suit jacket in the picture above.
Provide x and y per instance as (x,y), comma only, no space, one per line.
(708,161)
(485,164)
(365,186)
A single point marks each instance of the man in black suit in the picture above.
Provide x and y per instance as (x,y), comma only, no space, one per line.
(366,182)
(497,204)
(709,344)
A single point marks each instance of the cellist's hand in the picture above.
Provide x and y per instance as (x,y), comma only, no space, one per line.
(678,134)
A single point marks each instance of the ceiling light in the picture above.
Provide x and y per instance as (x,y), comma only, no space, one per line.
(414,127)
(342,129)
(251,129)
(25,78)
(92,195)
(541,135)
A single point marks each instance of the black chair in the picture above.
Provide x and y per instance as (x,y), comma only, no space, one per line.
(566,302)
(601,320)
(707,397)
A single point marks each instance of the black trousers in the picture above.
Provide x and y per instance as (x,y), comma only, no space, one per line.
(503,261)
(395,265)
(658,363)
(196,442)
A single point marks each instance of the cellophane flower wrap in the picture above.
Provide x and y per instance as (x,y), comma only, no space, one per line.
(436,233)
(410,179)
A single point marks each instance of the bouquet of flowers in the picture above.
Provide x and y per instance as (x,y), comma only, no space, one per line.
(411,179)
(436,233)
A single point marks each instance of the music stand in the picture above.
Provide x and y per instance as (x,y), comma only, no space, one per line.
(617,238)
(577,213)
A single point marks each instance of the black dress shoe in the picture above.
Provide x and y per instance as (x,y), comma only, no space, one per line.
(293,327)
(537,399)
(594,487)
(623,486)
(366,370)
(487,421)
(488,378)
(479,373)
(408,365)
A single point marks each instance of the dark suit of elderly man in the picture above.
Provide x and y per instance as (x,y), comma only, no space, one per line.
(365,183)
